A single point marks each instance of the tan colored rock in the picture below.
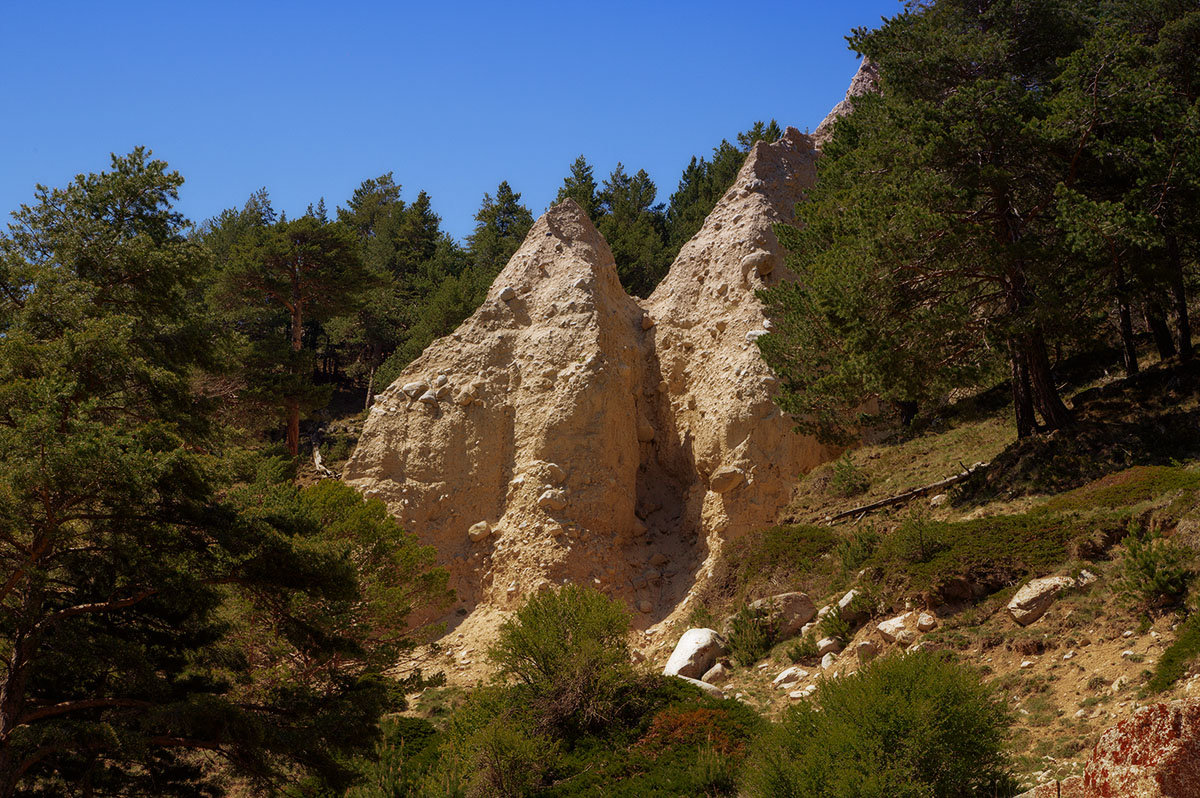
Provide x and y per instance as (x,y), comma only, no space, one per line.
(659,412)
(726,479)
(441,470)
(893,629)
(865,80)
(788,611)
(1036,596)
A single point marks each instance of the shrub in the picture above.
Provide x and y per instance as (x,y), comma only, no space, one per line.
(847,478)
(567,648)
(905,727)
(804,650)
(1155,571)
(752,633)
(835,625)
(855,550)
(405,753)
(918,539)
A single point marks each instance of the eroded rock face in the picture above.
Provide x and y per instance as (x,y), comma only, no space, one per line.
(726,457)
(534,436)
(865,81)
(568,432)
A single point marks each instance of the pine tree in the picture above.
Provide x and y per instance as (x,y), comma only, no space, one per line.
(930,243)
(163,630)
(294,272)
(580,185)
(635,229)
(501,225)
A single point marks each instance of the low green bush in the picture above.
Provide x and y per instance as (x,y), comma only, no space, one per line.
(837,625)
(857,549)
(1155,571)
(905,726)
(803,650)
(1181,653)
(752,632)
(848,479)
(567,648)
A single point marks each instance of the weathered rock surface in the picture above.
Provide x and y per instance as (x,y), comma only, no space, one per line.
(711,689)
(1035,597)
(789,612)
(892,629)
(865,80)
(696,652)
(1154,753)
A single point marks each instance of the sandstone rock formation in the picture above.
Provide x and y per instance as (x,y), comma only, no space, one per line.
(865,80)
(1035,597)
(566,432)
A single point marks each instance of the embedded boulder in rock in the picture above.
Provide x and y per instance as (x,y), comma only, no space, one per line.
(788,612)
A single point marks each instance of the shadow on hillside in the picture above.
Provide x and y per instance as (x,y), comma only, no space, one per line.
(1152,418)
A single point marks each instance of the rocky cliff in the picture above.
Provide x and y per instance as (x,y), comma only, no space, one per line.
(567,431)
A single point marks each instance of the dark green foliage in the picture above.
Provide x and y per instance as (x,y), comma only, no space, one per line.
(404,754)
(580,186)
(1155,571)
(1179,655)
(567,649)
(500,227)
(665,738)
(775,554)
(920,269)
(153,609)
(803,650)
(848,479)
(903,727)
(276,280)
(836,624)
(857,549)
(635,229)
(752,632)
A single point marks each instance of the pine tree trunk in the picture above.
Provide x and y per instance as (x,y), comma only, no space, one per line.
(1045,394)
(370,388)
(1156,320)
(1022,395)
(293,403)
(1125,321)
(1179,296)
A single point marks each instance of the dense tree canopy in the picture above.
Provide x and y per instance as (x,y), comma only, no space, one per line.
(169,612)
(967,214)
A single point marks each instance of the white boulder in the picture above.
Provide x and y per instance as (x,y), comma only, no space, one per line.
(696,652)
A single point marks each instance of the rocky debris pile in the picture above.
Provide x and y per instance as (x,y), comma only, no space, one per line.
(566,432)
(1154,753)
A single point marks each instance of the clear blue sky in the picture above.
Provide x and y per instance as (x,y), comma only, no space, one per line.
(308,99)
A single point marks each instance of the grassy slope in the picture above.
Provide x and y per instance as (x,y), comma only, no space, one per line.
(1090,659)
